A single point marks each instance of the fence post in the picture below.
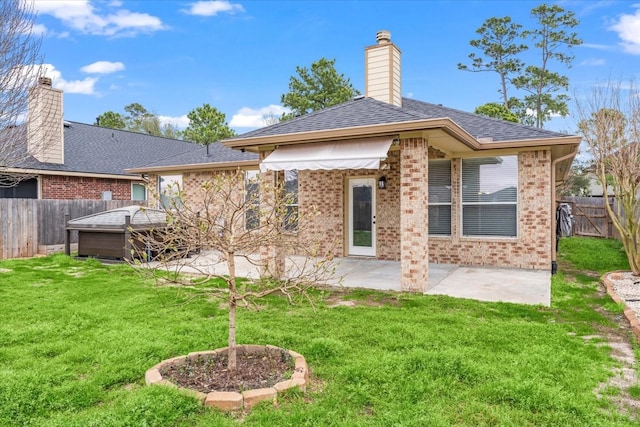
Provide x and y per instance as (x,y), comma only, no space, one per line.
(67,235)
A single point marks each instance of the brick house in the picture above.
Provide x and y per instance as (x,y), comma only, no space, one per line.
(419,183)
(70,160)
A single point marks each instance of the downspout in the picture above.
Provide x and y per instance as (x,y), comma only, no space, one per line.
(554,264)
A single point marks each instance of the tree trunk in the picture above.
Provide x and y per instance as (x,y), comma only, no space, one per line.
(232,362)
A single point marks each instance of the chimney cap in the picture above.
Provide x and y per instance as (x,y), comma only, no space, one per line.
(45,81)
(383,36)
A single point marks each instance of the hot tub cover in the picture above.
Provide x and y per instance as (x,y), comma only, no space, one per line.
(140,217)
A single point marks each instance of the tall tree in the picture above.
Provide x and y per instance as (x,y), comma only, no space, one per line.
(500,49)
(316,88)
(554,38)
(610,124)
(497,111)
(137,119)
(206,125)
(112,120)
(20,67)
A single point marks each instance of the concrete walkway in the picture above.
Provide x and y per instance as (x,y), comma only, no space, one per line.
(478,283)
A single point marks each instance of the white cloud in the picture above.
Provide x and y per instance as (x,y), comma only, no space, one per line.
(82,16)
(39,30)
(84,87)
(251,118)
(180,122)
(102,67)
(628,29)
(593,62)
(212,8)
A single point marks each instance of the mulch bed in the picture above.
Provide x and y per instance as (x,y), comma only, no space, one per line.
(207,373)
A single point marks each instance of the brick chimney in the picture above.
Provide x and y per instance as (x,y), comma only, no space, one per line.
(382,70)
(45,128)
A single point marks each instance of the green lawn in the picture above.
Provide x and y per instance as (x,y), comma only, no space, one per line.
(77,337)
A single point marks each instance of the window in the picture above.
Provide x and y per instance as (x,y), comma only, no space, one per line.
(490,196)
(169,188)
(440,197)
(23,189)
(291,200)
(252,199)
(138,192)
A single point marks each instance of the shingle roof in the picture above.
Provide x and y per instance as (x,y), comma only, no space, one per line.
(99,150)
(368,112)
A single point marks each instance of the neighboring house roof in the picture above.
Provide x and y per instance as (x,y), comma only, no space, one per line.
(369,112)
(214,155)
(92,149)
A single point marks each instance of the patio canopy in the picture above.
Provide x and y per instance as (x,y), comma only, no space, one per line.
(364,153)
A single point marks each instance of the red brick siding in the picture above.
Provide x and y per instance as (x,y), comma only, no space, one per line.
(531,248)
(414,230)
(74,187)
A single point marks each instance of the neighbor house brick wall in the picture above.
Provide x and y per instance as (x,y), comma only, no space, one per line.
(531,248)
(74,187)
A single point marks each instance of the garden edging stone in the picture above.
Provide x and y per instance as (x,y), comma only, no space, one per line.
(628,313)
(233,401)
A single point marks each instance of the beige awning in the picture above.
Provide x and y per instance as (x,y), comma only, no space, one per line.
(364,153)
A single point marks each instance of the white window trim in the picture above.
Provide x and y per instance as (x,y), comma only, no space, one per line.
(516,203)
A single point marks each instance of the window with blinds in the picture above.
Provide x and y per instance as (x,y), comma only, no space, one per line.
(440,197)
(490,196)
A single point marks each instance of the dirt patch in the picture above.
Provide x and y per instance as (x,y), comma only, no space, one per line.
(208,372)
(5,270)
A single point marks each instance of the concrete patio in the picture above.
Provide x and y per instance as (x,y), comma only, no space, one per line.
(478,283)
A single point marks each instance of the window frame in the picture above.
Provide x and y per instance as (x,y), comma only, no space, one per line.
(450,203)
(144,186)
(178,201)
(515,203)
(293,207)
(252,207)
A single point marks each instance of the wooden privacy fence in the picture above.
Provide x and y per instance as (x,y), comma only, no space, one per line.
(29,226)
(590,216)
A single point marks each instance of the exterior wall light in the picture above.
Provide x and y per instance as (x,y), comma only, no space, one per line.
(382,183)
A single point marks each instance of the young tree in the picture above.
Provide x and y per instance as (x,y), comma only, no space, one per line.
(500,47)
(228,220)
(497,111)
(554,39)
(610,124)
(20,67)
(206,125)
(316,88)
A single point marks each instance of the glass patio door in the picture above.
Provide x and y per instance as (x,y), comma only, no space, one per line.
(362,219)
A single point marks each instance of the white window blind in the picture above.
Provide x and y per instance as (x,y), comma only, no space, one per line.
(440,197)
(490,196)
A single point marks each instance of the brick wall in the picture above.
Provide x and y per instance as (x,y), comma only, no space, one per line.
(326,190)
(531,249)
(414,215)
(74,187)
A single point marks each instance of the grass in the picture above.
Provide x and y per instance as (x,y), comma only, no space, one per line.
(77,336)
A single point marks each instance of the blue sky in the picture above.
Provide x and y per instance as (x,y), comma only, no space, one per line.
(173,56)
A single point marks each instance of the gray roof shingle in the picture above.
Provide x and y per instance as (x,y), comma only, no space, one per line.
(368,111)
(99,150)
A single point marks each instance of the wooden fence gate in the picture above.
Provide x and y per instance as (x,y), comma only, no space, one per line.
(590,216)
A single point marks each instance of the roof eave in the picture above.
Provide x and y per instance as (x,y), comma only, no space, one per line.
(30,171)
(253,143)
(195,167)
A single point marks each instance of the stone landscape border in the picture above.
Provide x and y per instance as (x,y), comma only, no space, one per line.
(628,313)
(233,401)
